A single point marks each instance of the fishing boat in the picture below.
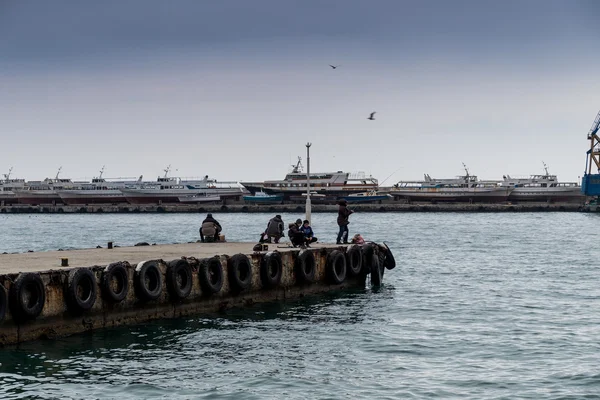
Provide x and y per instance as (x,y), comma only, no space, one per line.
(366,197)
(264,198)
(8,186)
(542,187)
(168,189)
(466,188)
(334,184)
(43,192)
(99,191)
(315,198)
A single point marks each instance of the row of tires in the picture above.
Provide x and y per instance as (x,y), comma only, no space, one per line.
(27,294)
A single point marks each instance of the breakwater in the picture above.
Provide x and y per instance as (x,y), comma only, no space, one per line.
(244,208)
(53,294)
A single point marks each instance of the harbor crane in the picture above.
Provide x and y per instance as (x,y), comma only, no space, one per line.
(590,183)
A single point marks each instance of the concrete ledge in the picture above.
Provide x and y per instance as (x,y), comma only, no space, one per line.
(57,320)
(253,208)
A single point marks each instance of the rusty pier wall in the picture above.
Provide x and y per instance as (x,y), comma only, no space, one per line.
(58,317)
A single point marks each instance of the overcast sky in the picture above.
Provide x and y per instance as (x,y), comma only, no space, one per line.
(234,89)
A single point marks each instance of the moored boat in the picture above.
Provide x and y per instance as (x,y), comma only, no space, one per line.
(462,188)
(334,184)
(198,198)
(264,198)
(542,187)
(366,197)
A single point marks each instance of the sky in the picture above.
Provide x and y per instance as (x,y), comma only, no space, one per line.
(235,89)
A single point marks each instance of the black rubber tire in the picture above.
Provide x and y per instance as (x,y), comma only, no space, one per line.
(376,273)
(336,267)
(271,268)
(148,281)
(305,266)
(353,260)
(211,275)
(239,272)
(390,261)
(27,297)
(179,278)
(368,252)
(81,290)
(115,283)
(3,302)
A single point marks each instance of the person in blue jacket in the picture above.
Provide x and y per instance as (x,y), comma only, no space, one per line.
(308,232)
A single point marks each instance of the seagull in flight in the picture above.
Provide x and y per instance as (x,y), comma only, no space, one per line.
(372,116)
(333,66)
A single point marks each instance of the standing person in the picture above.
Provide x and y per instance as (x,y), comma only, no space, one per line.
(275,228)
(210,229)
(308,232)
(342,221)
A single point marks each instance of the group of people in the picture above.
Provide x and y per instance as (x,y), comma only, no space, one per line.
(299,232)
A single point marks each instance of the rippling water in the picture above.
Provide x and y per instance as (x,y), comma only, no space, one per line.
(481,306)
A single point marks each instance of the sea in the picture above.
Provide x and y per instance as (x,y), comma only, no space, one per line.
(480,306)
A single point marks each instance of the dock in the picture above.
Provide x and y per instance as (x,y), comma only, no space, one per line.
(386,206)
(58,293)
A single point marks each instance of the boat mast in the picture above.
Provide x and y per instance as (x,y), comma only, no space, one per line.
(167,170)
(545,168)
(58,173)
(101,172)
(7,176)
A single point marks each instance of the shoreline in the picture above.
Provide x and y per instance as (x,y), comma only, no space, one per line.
(316,208)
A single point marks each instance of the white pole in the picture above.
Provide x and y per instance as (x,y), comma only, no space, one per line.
(308,181)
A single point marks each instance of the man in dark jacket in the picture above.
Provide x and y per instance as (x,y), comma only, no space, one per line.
(210,229)
(342,221)
(296,235)
(275,228)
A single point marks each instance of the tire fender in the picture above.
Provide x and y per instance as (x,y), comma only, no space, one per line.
(148,280)
(354,260)
(305,267)
(271,268)
(81,290)
(27,297)
(239,272)
(3,302)
(115,282)
(336,267)
(210,274)
(179,278)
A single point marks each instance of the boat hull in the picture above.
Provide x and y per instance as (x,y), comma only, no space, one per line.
(365,199)
(74,197)
(277,199)
(455,195)
(33,197)
(142,196)
(572,194)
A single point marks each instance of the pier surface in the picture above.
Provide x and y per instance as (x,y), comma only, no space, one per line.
(51,260)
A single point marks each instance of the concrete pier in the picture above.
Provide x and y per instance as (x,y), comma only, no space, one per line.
(97,288)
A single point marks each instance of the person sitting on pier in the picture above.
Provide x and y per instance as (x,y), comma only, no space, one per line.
(308,232)
(210,229)
(296,235)
(275,228)
(357,239)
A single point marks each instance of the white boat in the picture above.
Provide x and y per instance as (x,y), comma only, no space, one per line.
(199,198)
(168,189)
(462,188)
(542,187)
(326,183)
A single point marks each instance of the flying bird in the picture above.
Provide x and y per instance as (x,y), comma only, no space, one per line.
(333,66)
(372,116)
